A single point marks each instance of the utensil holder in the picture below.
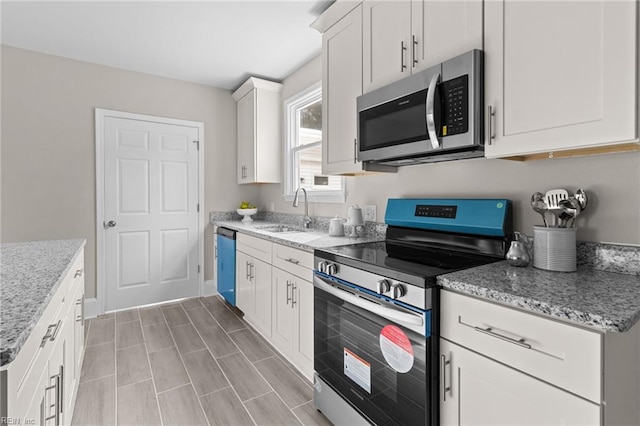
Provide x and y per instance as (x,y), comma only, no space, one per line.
(554,249)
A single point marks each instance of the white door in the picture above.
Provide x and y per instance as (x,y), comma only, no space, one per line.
(150,212)
(480,391)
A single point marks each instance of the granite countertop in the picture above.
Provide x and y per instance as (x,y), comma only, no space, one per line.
(604,300)
(304,240)
(31,273)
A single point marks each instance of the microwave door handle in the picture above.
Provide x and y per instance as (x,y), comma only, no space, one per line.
(390,314)
(431,121)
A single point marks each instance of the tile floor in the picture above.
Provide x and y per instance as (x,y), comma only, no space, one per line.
(193,362)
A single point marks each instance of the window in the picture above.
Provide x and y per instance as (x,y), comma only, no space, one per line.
(303,149)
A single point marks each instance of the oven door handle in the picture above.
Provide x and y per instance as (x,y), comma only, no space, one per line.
(390,314)
(431,120)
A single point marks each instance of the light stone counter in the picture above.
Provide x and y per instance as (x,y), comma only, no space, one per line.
(30,274)
(608,301)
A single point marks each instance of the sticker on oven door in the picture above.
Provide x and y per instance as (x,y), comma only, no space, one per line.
(357,369)
(396,348)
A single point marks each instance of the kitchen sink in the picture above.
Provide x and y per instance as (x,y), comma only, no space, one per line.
(281,228)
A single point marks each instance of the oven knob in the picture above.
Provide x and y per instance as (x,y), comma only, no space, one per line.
(397,291)
(332,269)
(322,267)
(383,286)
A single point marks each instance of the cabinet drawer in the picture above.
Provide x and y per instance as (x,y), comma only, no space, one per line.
(254,247)
(566,356)
(292,260)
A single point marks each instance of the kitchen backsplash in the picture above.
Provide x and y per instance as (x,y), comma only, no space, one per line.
(623,259)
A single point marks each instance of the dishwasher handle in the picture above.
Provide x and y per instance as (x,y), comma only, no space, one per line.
(226,232)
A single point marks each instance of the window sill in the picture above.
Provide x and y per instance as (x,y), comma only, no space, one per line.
(339,198)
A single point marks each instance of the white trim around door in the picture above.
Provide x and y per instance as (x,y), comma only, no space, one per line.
(100,116)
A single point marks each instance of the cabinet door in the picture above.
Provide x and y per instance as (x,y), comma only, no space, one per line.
(36,409)
(559,75)
(386,42)
(341,85)
(260,275)
(441,30)
(303,342)
(246,138)
(481,391)
(244,287)
(282,335)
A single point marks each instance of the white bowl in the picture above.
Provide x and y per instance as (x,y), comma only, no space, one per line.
(247,213)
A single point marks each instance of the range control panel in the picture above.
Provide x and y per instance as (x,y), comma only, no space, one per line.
(455,101)
(425,210)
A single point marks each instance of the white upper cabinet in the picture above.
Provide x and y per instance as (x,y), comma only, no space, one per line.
(402,37)
(341,85)
(259,120)
(559,75)
(441,30)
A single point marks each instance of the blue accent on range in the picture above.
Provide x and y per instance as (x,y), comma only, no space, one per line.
(464,216)
(226,265)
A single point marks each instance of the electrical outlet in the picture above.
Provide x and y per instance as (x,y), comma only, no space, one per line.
(369,213)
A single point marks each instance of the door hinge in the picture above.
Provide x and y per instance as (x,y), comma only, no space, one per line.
(198,207)
(197,145)
(198,268)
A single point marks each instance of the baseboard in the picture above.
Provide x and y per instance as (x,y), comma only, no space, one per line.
(90,308)
(209,288)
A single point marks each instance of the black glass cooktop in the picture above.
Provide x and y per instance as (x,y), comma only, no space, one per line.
(407,258)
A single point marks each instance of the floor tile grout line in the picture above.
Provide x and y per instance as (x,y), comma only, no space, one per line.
(216,391)
(204,413)
(153,380)
(220,367)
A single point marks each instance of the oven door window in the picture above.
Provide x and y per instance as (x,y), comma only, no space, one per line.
(385,378)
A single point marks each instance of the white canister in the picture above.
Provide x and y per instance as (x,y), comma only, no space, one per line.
(554,249)
(354,216)
(336,227)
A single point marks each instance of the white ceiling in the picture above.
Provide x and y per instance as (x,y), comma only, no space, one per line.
(218,43)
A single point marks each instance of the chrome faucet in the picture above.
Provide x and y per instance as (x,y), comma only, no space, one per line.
(307,219)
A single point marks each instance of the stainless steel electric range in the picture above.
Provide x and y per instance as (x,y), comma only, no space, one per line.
(376,308)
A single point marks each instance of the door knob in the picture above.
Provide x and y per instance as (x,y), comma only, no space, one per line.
(110,224)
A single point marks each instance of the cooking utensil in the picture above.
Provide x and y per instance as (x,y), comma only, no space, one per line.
(570,209)
(552,198)
(581,196)
(539,205)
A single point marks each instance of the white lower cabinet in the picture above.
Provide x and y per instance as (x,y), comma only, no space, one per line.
(477,390)
(293,319)
(504,366)
(42,381)
(253,281)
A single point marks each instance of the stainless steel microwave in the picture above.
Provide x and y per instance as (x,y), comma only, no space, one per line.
(433,115)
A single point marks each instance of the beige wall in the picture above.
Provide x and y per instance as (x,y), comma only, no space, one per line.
(48,144)
(613,214)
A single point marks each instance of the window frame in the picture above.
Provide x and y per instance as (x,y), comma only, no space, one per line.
(290,126)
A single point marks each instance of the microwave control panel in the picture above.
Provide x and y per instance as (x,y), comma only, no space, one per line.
(455,102)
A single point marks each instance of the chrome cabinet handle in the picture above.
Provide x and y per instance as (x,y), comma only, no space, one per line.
(288,297)
(444,362)
(215,253)
(431,121)
(355,150)
(489,331)
(414,44)
(251,276)
(48,334)
(55,332)
(78,272)
(290,259)
(56,406)
(492,117)
(246,268)
(403,49)
(293,294)
(109,224)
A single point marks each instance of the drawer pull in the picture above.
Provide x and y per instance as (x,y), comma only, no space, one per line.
(49,334)
(289,259)
(78,273)
(490,332)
